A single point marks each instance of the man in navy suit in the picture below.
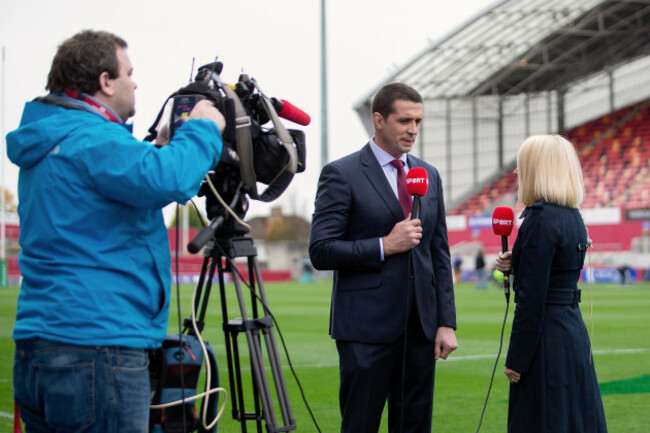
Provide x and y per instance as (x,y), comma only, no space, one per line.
(393,312)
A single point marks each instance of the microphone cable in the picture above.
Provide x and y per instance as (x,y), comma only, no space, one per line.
(487,397)
(591,299)
(406,325)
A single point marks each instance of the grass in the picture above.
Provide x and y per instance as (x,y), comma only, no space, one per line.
(621,343)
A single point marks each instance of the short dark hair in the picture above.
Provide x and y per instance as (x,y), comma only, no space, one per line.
(382,103)
(80,60)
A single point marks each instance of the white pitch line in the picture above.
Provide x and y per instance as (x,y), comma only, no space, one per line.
(474,357)
(455,358)
(596,352)
(610,352)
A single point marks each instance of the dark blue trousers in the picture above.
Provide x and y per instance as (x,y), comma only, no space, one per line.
(372,374)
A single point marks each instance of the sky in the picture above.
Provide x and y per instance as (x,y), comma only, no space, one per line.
(277,42)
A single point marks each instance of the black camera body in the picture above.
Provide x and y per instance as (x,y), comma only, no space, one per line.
(252,152)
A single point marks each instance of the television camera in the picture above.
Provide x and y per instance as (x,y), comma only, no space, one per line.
(252,152)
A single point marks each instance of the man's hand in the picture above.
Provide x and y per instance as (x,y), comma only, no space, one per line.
(445,342)
(405,236)
(162,139)
(205,109)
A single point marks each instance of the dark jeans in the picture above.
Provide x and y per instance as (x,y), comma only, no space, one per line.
(72,389)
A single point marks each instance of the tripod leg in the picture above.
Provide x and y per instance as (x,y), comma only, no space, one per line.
(251,326)
(274,358)
(257,361)
(232,357)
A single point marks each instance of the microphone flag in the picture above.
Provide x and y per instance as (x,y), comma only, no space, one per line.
(417,183)
(503,219)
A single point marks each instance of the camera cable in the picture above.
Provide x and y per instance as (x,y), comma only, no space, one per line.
(206,394)
(223,203)
(178,310)
(284,345)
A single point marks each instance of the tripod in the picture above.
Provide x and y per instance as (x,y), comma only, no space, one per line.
(256,328)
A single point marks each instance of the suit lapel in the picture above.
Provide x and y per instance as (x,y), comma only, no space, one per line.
(375,174)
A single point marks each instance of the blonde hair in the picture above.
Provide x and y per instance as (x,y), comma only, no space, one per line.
(548,169)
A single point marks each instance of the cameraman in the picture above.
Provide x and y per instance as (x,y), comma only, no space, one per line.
(95,254)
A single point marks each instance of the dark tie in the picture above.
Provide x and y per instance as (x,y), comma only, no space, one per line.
(402,193)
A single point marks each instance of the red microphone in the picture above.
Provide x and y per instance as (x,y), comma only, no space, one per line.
(288,111)
(417,182)
(503,219)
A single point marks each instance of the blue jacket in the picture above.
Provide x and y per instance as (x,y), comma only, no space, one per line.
(95,256)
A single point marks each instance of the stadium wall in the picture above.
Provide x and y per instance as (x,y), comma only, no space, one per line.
(610,229)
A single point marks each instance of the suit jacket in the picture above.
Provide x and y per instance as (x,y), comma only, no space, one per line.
(355,206)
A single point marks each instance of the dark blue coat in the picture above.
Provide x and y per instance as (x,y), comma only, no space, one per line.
(549,344)
(355,207)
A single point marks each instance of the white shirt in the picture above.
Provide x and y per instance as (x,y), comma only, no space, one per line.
(384,159)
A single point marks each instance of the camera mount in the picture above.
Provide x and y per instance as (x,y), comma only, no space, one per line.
(252,153)
(257,327)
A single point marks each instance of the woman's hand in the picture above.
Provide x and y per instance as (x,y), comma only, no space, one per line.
(513,376)
(504,262)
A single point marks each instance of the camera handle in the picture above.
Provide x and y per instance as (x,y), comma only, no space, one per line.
(245,149)
(153,133)
(204,236)
(256,328)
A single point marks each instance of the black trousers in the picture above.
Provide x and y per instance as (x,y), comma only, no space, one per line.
(371,374)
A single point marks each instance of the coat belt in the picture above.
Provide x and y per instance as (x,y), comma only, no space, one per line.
(559,296)
(563,296)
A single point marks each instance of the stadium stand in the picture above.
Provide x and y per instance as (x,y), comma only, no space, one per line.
(493,82)
(614,151)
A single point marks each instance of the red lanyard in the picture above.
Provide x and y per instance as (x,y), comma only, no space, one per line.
(93,103)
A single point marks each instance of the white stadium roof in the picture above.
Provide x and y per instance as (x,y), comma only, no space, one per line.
(521,46)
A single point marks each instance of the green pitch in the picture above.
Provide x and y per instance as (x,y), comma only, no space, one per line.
(621,345)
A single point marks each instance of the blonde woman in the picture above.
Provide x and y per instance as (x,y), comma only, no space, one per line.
(553,385)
